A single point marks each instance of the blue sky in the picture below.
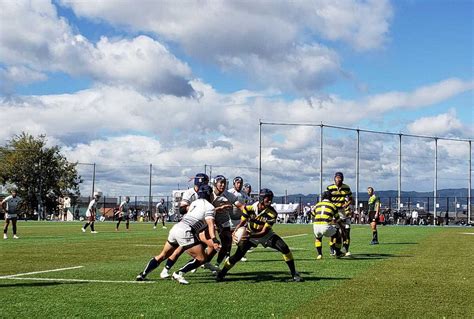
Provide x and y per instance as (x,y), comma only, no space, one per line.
(195,78)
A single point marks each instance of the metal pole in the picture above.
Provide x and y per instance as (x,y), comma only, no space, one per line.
(260,155)
(149,190)
(435,190)
(321,161)
(205,169)
(469,185)
(357,170)
(399,186)
(93,180)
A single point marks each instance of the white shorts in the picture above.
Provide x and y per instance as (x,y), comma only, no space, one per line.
(182,235)
(10,216)
(326,230)
(88,213)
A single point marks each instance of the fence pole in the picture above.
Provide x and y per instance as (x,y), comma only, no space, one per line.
(259,155)
(469,185)
(93,179)
(399,186)
(357,170)
(321,162)
(149,191)
(435,190)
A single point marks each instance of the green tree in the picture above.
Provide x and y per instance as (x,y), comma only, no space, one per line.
(40,173)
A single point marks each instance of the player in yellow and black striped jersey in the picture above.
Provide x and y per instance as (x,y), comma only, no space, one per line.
(341,197)
(259,219)
(325,217)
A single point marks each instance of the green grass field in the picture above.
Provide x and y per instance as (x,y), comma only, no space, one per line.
(416,272)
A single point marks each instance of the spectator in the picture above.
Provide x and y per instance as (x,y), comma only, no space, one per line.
(414,217)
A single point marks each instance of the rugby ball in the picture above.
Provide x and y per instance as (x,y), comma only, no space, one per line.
(240,234)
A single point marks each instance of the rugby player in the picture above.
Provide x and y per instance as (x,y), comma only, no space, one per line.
(259,219)
(184,234)
(189,196)
(123,213)
(374,213)
(91,213)
(11,205)
(325,217)
(341,197)
(160,213)
(243,197)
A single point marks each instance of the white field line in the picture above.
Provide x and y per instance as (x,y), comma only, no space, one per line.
(467,233)
(80,280)
(294,236)
(144,245)
(40,272)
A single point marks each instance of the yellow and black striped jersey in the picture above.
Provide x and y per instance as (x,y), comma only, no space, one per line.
(339,195)
(374,203)
(257,220)
(324,212)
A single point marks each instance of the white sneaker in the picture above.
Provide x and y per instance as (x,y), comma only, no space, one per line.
(164,273)
(319,257)
(5,236)
(244,259)
(348,254)
(164,227)
(83,230)
(94,232)
(179,278)
(154,227)
(16,237)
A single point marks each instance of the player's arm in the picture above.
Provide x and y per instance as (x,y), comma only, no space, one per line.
(268,225)
(212,232)
(377,208)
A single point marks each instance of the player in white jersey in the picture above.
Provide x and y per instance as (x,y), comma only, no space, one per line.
(189,196)
(123,213)
(200,216)
(91,213)
(11,205)
(160,213)
(224,201)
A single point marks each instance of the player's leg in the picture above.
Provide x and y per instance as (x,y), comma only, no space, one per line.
(375,237)
(242,249)
(118,222)
(319,247)
(168,249)
(127,223)
(163,220)
(199,256)
(14,227)
(156,221)
(170,262)
(5,228)
(225,236)
(347,240)
(276,242)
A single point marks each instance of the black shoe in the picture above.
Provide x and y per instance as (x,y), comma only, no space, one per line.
(374,242)
(296,278)
(332,251)
(140,277)
(219,276)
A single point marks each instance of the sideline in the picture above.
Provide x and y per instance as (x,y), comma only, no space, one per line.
(80,280)
(40,272)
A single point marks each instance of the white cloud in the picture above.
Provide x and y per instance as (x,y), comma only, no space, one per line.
(279,44)
(13,75)
(41,41)
(445,124)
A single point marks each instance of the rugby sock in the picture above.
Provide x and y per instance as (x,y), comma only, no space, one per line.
(118,224)
(290,262)
(156,222)
(319,246)
(14,229)
(193,264)
(85,225)
(346,244)
(152,264)
(92,227)
(374,235)
(169,263)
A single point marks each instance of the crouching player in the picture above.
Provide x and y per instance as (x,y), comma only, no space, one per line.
(259,219)
(325,217)
(184,235)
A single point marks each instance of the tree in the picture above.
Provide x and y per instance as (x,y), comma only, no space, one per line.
(40,173)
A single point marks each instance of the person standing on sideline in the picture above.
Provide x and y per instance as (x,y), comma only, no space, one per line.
(91,213)
(123,213)
(374,212)
(160,213)
(11,205)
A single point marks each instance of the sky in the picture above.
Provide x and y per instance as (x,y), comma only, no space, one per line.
(182,85)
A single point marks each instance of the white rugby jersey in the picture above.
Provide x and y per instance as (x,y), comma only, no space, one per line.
(198,212)
(92,205)
(241,197)
(12,204)
(124,206)
(189,196)
(226,197)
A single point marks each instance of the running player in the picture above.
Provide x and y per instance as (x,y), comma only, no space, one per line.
(189,196)
(160,213)
(11,205)
(325,217)
(374,213)
(200,215)
(123,213)
(91,212)
(239,191)
(259,219)
(341,197)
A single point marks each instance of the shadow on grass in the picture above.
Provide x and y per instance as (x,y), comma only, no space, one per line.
(251,260)
(34,284)
(274,276)
(406,243)
(373,256)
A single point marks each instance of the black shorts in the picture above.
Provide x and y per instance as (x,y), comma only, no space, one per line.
(372,217)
